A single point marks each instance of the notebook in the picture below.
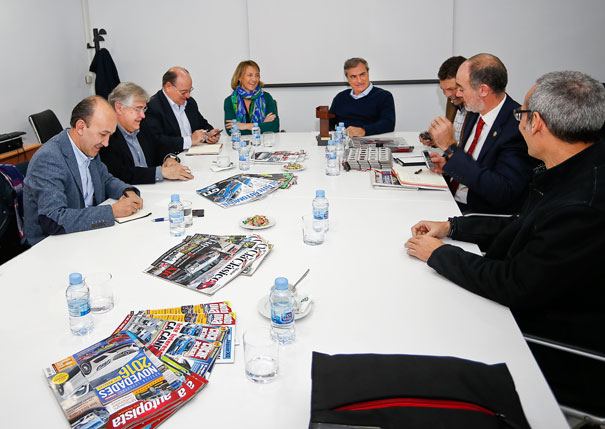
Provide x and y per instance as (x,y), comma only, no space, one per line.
(205,149)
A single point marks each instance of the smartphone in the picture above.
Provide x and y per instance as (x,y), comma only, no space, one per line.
(426,136)
(198,212)
(217,133)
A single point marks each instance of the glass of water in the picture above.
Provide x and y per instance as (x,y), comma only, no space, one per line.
(261,353)
(101,291)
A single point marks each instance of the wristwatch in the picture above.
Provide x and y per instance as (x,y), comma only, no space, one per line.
(447,154)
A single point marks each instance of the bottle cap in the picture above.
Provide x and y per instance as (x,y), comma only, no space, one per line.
(281,283)
(243,144)
(75,278)
(175,197)
(341,124)
(255,124)
(234,121)
(330,142)
(320,193)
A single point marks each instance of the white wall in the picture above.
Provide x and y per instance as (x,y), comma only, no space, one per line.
(44,57)
(44,61)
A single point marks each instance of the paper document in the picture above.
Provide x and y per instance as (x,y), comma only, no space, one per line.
(205,149)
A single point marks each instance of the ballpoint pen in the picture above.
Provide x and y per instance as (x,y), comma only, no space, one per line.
(158,219)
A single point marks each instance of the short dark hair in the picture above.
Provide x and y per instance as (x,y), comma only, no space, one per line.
(84,110)
(489,70)
(449,68)
(353,62)
(171,75)
(571,104)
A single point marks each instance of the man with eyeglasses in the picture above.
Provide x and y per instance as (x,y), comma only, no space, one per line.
(545,263)
(490,170)
(66,181)
(173,119)
(131,155)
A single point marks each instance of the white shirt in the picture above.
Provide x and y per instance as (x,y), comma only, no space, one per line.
(362,94)
(181,118)
(83,163)
(488,118)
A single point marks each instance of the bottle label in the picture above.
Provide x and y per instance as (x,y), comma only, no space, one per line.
(177,216)
(320,214)
(282,318)
(79,307)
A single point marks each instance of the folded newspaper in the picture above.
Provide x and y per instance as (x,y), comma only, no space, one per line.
(120,383)
(206,263)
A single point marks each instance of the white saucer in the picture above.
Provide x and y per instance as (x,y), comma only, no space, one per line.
(264,308)
(214,167)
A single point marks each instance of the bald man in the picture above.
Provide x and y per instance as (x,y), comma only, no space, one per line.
(490,170)
(66,180)
(173,119)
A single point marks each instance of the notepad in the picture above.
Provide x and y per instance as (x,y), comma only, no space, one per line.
(419,177)
(138,215)
(205,149)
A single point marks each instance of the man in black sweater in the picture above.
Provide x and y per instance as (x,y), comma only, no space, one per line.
(545,263)
(365,109)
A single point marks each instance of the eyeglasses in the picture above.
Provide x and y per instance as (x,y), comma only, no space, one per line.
(139,110)
(183,91)
(518,113)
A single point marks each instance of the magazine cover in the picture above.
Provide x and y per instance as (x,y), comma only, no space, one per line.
(206,263)
(279,157)
(387,179)
(238,189)
(286,180)
(118,383)
(149,330)
(396,144)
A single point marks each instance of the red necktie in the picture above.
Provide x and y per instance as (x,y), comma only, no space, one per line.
(454,184)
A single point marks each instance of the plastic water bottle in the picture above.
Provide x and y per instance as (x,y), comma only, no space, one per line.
(321,211)
(332,168)
(283,306)
(256,134)
(244,156)
(176,216)
(340,144)
(236,136)
(78,303)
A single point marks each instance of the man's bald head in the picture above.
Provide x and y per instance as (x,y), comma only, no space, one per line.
(489,70)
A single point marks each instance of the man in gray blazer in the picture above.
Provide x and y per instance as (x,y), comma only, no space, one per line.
(66,180)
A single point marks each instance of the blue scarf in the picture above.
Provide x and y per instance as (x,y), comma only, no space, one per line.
(258,108)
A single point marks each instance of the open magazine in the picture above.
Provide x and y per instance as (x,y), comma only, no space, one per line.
(120,383)
(279,157)
(206,263)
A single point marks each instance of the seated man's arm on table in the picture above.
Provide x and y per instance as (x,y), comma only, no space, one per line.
(50,185)
(129,201)
(540,269)
(500,185)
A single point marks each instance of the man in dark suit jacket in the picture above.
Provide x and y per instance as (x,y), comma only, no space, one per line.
(173,119)
(131,155)
(491,169)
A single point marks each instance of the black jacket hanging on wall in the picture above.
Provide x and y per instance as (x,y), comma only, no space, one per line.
(107,74)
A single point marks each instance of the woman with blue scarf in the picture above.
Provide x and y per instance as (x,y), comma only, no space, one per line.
(249,103)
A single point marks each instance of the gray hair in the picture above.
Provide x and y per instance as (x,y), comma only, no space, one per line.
(572,105)
(489,70)
(354,62)
(126,93)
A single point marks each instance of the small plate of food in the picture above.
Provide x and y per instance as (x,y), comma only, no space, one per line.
(293,166)
(257,222)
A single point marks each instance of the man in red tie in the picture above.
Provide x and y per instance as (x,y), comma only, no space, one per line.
(490,171)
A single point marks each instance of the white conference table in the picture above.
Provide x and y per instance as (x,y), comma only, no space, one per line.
(369,296)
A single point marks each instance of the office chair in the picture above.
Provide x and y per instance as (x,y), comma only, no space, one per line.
(11,243)
(45,125)
(575,376)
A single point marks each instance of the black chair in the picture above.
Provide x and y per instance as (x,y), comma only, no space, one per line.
(575,376)
(11,243)
(45,125)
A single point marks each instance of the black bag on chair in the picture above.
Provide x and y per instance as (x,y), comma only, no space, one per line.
(407,391)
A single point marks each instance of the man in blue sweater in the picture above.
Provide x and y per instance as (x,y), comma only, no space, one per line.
(365,109)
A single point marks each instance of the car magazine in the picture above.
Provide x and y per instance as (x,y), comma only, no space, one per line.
(206,263)
(279,157)
(120,383)
(238,189)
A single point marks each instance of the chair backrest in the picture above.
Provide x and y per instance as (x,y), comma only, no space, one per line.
(45,125)
(11,210)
